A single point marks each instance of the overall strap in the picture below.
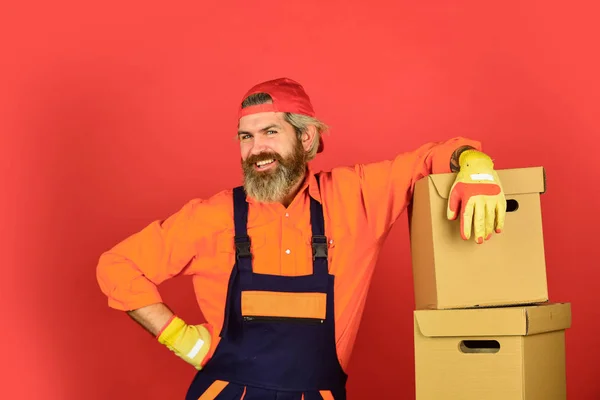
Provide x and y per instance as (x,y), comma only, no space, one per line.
(243,259)
(319,240)
(243,254)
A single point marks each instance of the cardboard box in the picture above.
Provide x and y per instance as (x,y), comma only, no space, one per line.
(508,269)
(505,353)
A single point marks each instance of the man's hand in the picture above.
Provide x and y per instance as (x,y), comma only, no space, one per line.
(478,195)
(189,342)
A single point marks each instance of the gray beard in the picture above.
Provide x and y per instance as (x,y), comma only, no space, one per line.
(274,186)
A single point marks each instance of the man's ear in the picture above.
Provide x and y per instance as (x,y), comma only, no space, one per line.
(308,137)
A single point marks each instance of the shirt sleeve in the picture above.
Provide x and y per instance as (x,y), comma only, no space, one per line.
(129,273)
(387,186)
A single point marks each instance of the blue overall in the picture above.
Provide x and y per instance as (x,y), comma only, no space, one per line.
(275,358)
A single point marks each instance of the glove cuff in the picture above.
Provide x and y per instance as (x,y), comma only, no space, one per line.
(171,330)
(472,155)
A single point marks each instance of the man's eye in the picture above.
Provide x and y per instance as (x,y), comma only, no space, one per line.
(245,137)
(271,132)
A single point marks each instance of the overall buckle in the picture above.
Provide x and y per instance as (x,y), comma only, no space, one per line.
(319,246)
(242,246)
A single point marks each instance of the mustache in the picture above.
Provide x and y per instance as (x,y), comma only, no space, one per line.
(263,156)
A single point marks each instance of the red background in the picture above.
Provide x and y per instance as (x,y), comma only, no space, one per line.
(116,114)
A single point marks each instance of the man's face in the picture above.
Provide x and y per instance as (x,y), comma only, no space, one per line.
(273,157)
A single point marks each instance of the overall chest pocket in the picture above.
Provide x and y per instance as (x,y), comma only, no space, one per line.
(273,306)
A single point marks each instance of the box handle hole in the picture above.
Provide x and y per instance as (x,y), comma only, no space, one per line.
(479,346)
(512,205)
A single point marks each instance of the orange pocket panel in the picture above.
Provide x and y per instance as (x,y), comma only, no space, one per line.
(213,390)
(326,394)
(283,304)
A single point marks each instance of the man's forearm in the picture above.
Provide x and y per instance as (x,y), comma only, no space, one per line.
(454,165)
(152,317)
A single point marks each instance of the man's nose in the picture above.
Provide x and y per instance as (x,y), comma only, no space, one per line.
(258,145)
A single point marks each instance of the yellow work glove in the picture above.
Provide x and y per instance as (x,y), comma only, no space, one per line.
(189,342)
(478,196)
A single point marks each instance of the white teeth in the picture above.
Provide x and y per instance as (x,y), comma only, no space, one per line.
(264,162)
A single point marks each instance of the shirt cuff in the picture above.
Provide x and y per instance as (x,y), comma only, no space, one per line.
(133,301)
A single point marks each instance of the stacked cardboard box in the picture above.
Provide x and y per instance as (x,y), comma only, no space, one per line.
(484,327)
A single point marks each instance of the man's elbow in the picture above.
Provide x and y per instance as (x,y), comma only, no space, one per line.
(111,275)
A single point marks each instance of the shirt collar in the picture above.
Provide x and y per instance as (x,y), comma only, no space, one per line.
(311,182)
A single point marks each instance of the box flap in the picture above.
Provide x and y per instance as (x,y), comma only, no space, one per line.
(495,321)
(550,318)
(514,181)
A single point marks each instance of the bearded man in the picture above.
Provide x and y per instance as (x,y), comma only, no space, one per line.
(281,265)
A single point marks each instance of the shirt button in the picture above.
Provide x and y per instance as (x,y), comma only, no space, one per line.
(287,251)
(287,215)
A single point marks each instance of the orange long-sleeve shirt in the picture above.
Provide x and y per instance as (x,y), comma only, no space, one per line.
(360,205)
